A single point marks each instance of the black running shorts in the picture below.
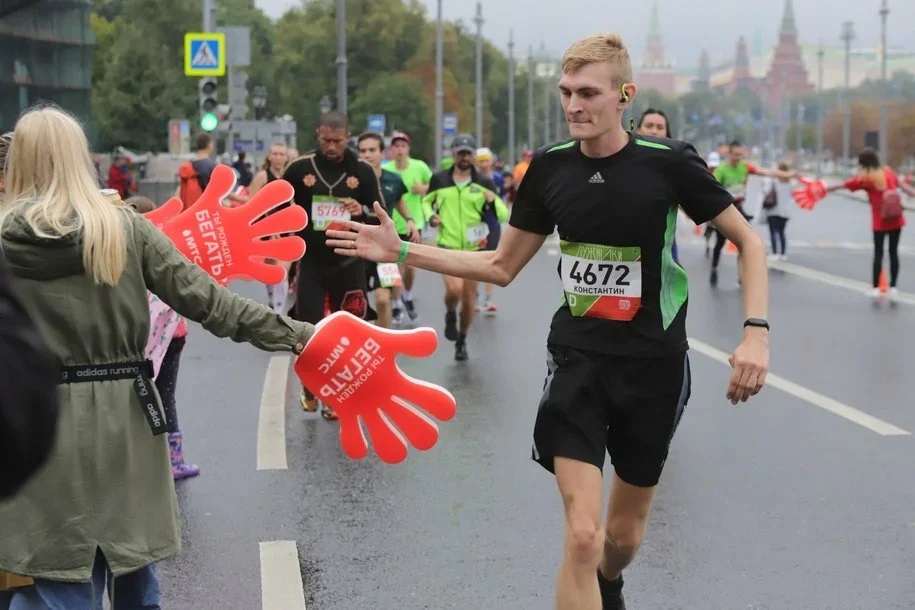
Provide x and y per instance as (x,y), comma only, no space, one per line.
(628,407)
(344,285)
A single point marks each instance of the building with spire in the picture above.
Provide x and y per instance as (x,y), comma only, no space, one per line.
(787,75)
(655,71)
(702,82)
(742,76)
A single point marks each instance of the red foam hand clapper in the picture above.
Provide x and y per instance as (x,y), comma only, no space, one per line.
(349,364)
(811,194)
(228,242)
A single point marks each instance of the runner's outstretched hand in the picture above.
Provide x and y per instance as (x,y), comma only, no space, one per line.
(750,362)
(379,243)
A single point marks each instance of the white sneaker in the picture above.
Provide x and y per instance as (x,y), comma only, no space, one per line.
(873,293)
(783,257)
(772,258)
(894,294)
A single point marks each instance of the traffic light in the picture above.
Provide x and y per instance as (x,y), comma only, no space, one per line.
(208,103)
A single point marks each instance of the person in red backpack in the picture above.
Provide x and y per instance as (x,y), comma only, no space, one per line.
(887,219)
(193,176)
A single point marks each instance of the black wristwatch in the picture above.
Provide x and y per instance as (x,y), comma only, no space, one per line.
(756,322)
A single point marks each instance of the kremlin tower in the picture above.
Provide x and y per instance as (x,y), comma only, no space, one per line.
(656,72)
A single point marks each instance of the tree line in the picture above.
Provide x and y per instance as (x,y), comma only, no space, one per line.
(139,82)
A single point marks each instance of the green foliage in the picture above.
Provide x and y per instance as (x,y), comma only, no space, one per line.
(400,98)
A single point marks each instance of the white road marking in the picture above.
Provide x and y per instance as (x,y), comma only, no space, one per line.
(816,399)
(552,251)
(834,280)
(794,244)
(281,576)
(271,423)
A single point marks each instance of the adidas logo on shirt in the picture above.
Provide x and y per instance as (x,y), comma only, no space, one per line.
(596,179)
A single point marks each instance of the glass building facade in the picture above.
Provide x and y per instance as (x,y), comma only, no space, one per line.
(46,55)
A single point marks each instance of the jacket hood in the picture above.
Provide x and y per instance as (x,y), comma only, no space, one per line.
(40,258)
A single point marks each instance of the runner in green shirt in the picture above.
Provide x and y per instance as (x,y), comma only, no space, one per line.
(416,176)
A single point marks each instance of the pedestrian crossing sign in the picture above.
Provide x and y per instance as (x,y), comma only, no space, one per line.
(204,54)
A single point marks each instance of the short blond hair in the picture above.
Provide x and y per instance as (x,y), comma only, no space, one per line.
(600,48)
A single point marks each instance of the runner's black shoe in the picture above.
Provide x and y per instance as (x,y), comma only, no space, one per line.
(411,309)
(451,331)
(460,348)
(611,593)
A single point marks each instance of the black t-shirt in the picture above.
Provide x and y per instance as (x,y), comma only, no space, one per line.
(319,184)
(204,169)
(392,188)
(623,294)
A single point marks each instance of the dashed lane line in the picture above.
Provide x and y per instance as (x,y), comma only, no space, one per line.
(281,576)
(271,422)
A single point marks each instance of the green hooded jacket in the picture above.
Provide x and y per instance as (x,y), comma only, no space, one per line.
(461,207)
(108,482)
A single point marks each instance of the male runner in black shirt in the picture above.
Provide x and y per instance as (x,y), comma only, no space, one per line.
(332,184)
(618,376)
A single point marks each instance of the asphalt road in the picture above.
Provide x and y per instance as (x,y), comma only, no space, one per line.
(802,498)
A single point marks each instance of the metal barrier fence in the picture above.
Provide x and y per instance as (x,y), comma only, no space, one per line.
(159,191)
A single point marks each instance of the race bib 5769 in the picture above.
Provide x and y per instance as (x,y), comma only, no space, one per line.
(602,281)
(325,210)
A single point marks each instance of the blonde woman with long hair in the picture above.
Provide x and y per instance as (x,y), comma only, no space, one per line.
(104,505)
(875,180)
(5,141)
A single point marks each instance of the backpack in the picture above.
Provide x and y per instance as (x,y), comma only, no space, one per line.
(189,188)
(891,207)
(771,198)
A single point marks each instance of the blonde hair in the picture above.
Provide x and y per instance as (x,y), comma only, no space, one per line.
(784,166)
(5,141)
(51,182)
(600,48)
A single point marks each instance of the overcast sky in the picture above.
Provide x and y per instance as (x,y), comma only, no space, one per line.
(686,28)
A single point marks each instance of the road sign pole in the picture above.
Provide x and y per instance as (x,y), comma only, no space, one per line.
(209,16)
(439,85)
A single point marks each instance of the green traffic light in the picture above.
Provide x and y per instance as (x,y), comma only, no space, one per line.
(209,122)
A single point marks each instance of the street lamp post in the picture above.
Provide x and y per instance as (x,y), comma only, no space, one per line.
(800,122)
(848,34)
(325,105)
(820,110)
(259,99)
(530,97)
(439,87)
(511,96)
(547,98)
(478,20)
(341,56)
(884,110)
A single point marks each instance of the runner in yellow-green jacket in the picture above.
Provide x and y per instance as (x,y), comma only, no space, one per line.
(463,205)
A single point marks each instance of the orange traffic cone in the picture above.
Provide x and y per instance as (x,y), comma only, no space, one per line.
(882,284)
(731,247)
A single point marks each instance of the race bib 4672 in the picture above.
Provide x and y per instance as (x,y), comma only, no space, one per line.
(602,281)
